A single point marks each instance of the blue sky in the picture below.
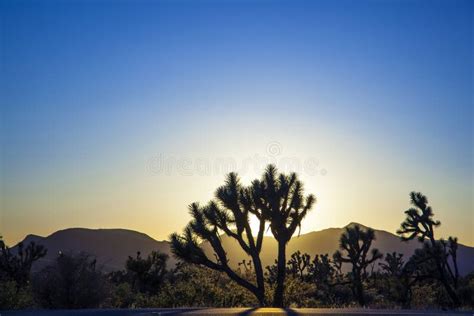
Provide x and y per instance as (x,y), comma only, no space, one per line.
(379,91)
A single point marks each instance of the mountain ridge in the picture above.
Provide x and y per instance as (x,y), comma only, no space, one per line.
(112,246)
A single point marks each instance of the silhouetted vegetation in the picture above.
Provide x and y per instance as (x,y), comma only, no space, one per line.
(356,243)
(276,198)
(73,281)
(281,201)
(15,272)
(147,274)
(437,258)
(357,274)
(228,214)
(17,266)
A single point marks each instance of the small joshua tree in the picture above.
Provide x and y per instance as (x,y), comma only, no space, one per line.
(282,202)
(356,243)
(419,223)
(322,272)
(17,266)
(228,214)
(299,264)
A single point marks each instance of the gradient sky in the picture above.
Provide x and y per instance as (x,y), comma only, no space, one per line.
(94,95)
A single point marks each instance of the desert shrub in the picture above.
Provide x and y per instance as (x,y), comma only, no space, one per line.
(14,297)
(121,295)
(299,293)
(146,274)
(194,286)
(73,281)
(466,291)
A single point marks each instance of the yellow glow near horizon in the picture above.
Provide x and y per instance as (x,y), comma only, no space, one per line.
(354,187)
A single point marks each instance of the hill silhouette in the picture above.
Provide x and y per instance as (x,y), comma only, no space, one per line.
(113,246)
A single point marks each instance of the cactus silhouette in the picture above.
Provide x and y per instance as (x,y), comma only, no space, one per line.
(356,243)
(419,223)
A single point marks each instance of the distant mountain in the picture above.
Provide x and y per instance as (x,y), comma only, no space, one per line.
(327,241)
(113,246)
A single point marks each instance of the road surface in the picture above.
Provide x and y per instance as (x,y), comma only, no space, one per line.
(229,312)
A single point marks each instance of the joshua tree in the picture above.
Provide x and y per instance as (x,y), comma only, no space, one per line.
(298,264)
(393,264)
(356,243)
(228,214)
(322,272)
(17,266)
(420,224)
(281,201)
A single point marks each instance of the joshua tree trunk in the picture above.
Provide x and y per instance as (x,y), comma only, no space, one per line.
(260,280)
(281,273)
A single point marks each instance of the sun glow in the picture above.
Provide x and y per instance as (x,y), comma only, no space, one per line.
(255,225)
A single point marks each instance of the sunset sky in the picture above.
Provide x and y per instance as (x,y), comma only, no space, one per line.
(120,114)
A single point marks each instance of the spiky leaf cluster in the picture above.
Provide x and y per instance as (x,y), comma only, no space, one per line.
(419,222)
(281,201)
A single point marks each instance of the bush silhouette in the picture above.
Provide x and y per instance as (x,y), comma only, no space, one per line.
(73,281)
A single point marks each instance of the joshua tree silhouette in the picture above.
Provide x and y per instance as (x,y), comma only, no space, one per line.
(298,264)
(17,266)
(400,277)
(356,243)
(419,224)
(393,264)
(228,214)
(276,198)
(282,202)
